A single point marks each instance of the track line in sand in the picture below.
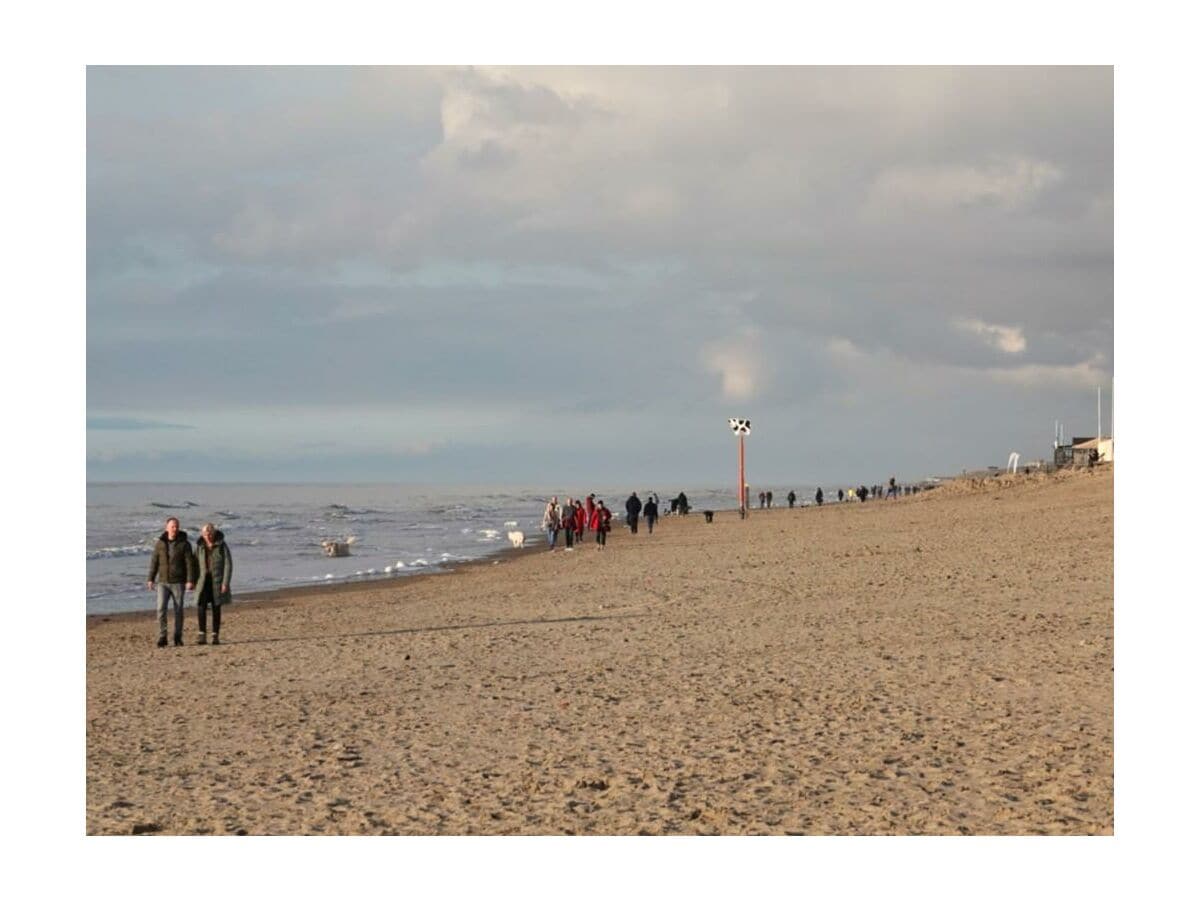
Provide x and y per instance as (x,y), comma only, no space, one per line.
(428,629)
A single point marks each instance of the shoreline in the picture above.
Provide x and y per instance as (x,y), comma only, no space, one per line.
(279,595)
(500,554)
(374,583)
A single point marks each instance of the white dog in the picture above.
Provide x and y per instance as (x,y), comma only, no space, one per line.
(517,539)
(338,548)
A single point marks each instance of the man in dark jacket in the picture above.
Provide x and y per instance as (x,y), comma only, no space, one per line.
(650,511)
(173,565)
(633,507)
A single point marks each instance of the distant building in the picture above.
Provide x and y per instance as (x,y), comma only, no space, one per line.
(1081,451)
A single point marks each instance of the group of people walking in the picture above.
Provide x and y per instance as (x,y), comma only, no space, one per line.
(176,568)
(892,491)
(862,493)
(575,516)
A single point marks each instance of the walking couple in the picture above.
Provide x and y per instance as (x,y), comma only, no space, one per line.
(175,569)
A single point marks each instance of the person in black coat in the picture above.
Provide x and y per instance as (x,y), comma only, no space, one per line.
(791,499)
(820,497)
(633,506)
(650,512)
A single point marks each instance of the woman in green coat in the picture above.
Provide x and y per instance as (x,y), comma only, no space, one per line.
(215,565)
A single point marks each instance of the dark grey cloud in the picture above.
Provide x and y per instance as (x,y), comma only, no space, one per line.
(895,254)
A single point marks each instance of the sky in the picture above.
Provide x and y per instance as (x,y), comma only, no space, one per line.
(577,275)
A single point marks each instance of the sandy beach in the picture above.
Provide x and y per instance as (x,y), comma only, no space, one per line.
(938,664)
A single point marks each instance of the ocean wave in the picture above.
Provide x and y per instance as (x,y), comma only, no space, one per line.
(186,504)
(114,552)
(338,511)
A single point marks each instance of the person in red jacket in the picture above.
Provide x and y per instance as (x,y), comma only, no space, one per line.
(580,521)
(590,509)
(602,519)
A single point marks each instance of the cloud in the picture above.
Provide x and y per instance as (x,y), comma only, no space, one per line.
(739,363)
(119,423)
(1007,184)
(637,243)
(1005,338)
(1082,375)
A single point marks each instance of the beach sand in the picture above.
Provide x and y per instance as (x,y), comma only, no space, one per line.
(938,664)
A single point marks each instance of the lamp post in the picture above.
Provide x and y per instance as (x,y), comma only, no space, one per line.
(741,427)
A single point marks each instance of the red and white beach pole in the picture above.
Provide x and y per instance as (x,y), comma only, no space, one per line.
(741,427)
(742,473)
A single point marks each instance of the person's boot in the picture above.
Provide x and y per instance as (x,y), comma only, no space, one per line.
(203,638)
(178,640)
(216,639)
(162,641)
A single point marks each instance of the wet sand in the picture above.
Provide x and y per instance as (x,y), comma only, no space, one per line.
(938,664)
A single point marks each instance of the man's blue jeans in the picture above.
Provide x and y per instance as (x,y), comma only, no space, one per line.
(175,593)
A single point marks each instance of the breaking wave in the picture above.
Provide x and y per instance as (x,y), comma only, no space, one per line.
(113,552)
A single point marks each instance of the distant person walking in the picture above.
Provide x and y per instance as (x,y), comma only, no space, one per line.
(791,499)
(590,508)
(578,520)
(551,519)
(633,508)
(770,499)
(841,495)
(820,497)
(214,565)
(650,512)
(603,520)
(566,522)
(173,566)
(762,500)
(862,493)
(682,503)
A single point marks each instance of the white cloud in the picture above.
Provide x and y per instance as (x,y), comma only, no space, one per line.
(1006,338)
(740,364)
(844,350)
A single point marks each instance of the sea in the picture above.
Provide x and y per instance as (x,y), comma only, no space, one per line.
(275,530)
